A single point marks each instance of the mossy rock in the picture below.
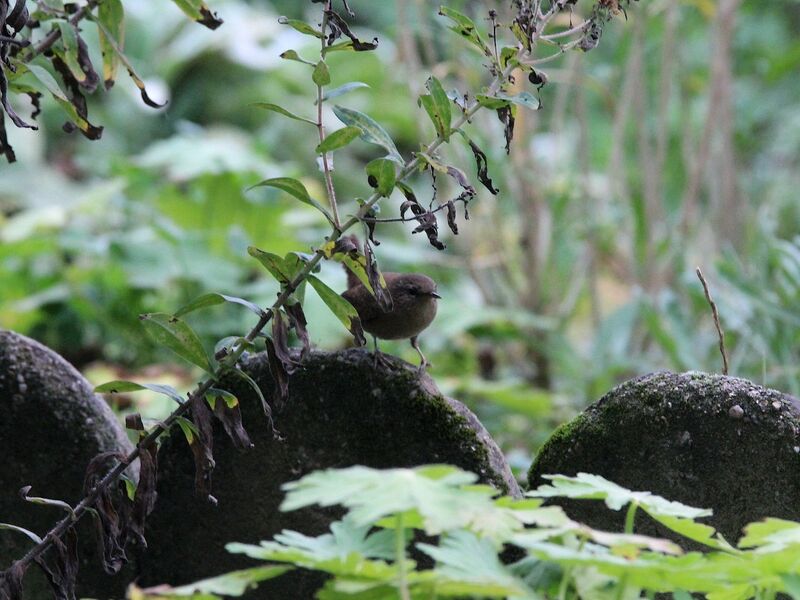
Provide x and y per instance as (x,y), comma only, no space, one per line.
(342,411)
(709,441)
(51,426)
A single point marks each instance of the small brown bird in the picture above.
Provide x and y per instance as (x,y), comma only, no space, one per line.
(414,299)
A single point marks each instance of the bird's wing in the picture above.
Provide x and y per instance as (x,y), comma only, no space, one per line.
(364,302)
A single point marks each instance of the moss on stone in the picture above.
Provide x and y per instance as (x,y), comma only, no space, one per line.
(51,426)
(342,411)
(705,440)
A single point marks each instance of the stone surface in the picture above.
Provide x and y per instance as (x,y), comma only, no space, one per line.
(706,440)
(51,426)
(341,412)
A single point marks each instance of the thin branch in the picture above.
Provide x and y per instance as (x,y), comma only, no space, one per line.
(567,32)
(714,312)
(326,166)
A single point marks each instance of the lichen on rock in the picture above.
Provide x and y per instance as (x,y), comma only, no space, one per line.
(709,441)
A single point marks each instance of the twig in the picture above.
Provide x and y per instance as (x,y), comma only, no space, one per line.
(714,312)
(326,166)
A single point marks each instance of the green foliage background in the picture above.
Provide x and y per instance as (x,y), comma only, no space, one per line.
(579,274)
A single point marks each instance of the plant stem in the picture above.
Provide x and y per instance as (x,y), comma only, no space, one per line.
(400,557)
(630,517)
(326,166)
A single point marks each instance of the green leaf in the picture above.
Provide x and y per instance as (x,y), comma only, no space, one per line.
(176,335)
(301,26)
(230,400)
(213,299)
(321,75)
(235,584)
(111,15)
(437,105)
(338,139)
(499,100)
(197,10)
(340,307)
(382,175)
(342,90)
(282,111)
(68,51)
(189,429)
(293,55)
(272,263)
(443,496)
(26,532)
(50,84)
(465,27)
(122,387)
(294,188)
(371,131)
(586,486)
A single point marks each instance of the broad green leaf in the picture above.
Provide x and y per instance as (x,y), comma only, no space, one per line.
(340,307)
(773,534)
(235,584)
(293,55)
(346,46)
(371,131)
(437,105)
(121,387)
(382,175)
(357,265)
(111,15)
(50,84)
(698,532)
(615,496)
(301,26)
(338,139)
(294,188)
(232,341)
(176,335)
(443,496)
(342,90)
(283,111)
(213,299)
(321,75)
(198,11)
(272,263)
(465,27)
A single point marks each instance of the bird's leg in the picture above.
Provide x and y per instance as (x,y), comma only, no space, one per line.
(380,357)
(423,362)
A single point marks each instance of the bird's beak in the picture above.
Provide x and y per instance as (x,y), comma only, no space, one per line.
(435,295)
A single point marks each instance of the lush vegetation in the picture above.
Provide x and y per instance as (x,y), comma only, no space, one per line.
(671,145)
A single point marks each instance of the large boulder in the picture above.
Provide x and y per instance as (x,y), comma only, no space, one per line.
(341,411)
(51,426)
(706,440)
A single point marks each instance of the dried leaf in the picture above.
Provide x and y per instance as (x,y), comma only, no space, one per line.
(483,167)
(145,499)
(231,418)
(451,217)
(376,280)
(11,582)
(339,26)
(62,569)
(111,513)
(298,321)
(506,116)
(279,374)
(202,447)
